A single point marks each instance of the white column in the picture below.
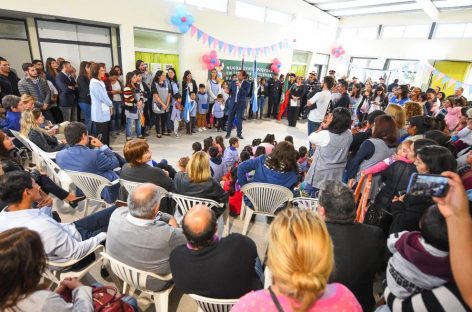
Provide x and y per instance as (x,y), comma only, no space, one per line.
(127,47)
(33,38)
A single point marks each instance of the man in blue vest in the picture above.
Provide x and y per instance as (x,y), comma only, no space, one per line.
(238,91)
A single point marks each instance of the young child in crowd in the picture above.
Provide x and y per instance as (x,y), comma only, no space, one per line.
(202,100)
(220,143)
(303,159)
(182,165)
(218,168)
(230,156)
(219,112)
(289,139)
(207,143)
(453,107)
(420,259)
(192,108)
(260,150)
(245,155)
(176,112)
(232,187)
(401,155)
(196,147)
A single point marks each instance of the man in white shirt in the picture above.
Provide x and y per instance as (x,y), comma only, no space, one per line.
(62,241)
(318,105)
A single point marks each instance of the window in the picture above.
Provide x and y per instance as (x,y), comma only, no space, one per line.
(277,17)
(389,32)
(246,10)
(458,30)
(12,29)
(367,32)
(321,59)
(348,33)
(417,31)
(218,5)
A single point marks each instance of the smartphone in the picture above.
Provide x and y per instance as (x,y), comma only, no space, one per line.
(99,137)
(428,185)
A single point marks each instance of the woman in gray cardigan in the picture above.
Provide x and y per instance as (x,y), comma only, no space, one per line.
(22,261)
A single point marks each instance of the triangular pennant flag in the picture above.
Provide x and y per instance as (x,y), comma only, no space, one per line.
(205,38)
(439,76)
(193,30)
(451,82)
(435,72)
(220,45)
(210,40)
(199,34)
(215,43)
(281,45)
(240,51)
(230,48)
(458,84)
(446,79)
(249,51)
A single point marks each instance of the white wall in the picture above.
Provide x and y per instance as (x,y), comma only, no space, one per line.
(422,49)
(155,14)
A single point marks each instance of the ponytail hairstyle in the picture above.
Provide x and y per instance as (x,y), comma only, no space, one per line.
(300,256)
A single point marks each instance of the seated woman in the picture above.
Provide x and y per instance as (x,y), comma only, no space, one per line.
(417,126)
(300,274)
(9,157)
(31,120)
(22,262)
(408,209)
(268,143)
(280,167)
(197,181)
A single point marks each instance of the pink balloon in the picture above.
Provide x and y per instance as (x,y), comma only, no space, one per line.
(206,58)
(213,54)
(217,63)
(210,66)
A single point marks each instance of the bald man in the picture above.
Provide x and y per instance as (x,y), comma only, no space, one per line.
(142,236)
(209,266)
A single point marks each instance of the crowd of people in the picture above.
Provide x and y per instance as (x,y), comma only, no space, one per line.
(323,260)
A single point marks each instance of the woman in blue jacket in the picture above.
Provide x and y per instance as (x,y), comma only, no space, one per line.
(280,167)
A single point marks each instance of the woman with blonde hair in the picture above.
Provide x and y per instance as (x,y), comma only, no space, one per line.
(197,181)
(28,101)
(398,114)
(413,109)
(30,123)
(300,257)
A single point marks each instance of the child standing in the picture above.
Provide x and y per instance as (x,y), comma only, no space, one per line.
(133,104)
(219,112)
(202,100)
(192,108)
(176,112)
(230,156)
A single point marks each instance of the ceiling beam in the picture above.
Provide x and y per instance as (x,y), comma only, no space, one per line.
(429,8)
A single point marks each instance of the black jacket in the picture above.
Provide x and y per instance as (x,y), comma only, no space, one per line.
(44,141)
(274,88)
(407,214)
(9,85)
(83,85)
(184,89)
(358,255)
(344,101)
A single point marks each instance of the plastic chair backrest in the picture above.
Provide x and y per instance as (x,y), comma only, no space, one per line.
(20,138)
(184,203)
(265,197)
(91,184)
(213,305)
(306,203)
(130,186)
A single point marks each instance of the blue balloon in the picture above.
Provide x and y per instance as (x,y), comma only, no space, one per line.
(175,20)
(213,61)
(279,65)
(184,28)
(190,19)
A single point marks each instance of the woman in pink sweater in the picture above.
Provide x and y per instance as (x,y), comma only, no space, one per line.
(300,257)
(453,107)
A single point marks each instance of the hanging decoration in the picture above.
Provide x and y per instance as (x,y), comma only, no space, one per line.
(182,19)
(443,78)
(276,64)
(338,51)
(211,60)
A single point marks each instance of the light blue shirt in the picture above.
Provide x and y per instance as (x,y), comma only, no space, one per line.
(62,242)
(101,103)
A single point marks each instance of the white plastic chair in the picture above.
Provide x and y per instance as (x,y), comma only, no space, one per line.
(137,279)
(206,304)
(91,184)
(265,199)
(130,186)
(184,203)
(56,271)
(22,140)
(305,203)
(58,175)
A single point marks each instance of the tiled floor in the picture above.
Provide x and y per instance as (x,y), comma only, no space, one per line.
(172,149)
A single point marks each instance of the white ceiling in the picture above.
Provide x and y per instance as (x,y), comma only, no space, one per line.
(341,8)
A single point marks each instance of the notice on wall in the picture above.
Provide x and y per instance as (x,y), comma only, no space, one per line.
(155,67)
(231,67)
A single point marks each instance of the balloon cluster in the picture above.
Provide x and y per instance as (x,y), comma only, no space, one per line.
(211,60)
(182,19)
(337,51)
(275,67)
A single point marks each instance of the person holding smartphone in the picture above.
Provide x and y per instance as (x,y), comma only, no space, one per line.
(408,209)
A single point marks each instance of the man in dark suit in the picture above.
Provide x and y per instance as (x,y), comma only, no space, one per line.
(274,89)
(344,100)
(238,91)
(8,80)
(67,87)
(358,248)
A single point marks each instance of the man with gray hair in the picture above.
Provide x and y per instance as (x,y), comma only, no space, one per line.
(143,237)
(358,248)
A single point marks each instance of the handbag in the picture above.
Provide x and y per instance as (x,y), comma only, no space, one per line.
(105,299)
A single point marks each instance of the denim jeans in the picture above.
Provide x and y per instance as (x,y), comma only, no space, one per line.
(116,117)
(312,127)
(95,223)
(260,105)
(137,124)
(87,110)
(69,113)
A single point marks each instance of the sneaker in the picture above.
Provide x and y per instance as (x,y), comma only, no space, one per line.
(200,130)
(217,130)
(178,135)
(128,139)
(204,129)
(227,136)
(240,137)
